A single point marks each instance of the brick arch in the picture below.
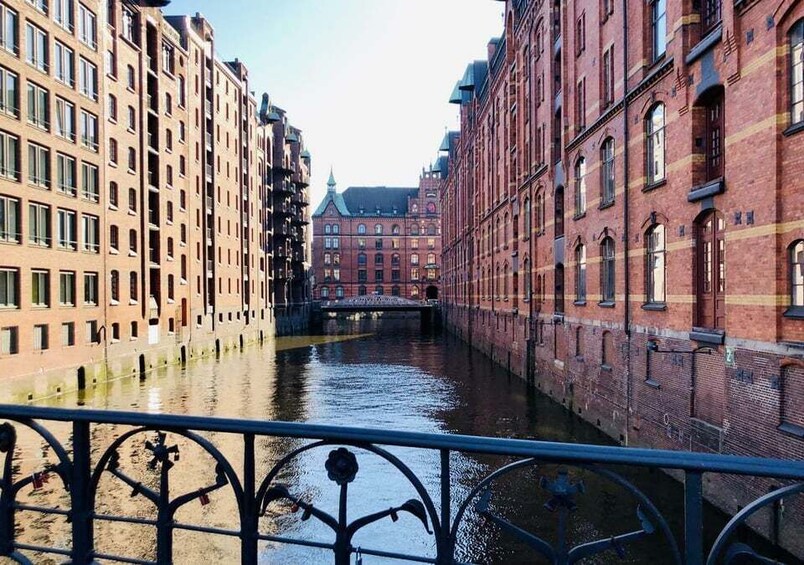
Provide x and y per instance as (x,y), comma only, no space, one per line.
(785,14)
(654,218)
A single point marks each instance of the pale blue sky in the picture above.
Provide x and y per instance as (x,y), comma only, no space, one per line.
(366,80)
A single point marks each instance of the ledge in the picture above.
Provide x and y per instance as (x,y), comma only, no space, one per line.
(654,306)
(791,429)
(794,312)
(580,303)
(606,304)
(654,185)
(710,188)
(652,384)
(712,337)
(795,128)
(604,205)
(705,44)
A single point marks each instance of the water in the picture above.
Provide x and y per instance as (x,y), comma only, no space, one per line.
(372,374)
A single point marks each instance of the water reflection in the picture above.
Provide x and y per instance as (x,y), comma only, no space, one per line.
(374,374)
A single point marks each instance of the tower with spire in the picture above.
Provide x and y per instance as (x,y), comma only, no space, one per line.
(331,182)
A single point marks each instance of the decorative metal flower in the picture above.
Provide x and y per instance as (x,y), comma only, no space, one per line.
(7,437)
(341,466)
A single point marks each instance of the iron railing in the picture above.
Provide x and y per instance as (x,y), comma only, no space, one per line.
(81,468)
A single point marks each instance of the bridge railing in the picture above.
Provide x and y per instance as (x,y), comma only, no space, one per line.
(146,445)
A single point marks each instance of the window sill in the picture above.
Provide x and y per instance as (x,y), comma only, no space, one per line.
(580,303)
(653,384)
(791,429)
(604,205)
(708,336)
(794,312)
(606,304)
(606,368)
(654,306)
(709,188)
(795,128)
(654,185)
(132,212)
(705,44)
(579,215)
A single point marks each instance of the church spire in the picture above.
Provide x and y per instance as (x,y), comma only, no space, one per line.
(331,182)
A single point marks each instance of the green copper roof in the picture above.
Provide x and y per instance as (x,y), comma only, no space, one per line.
(455,97)
(291,137)
(305,154)
(468,80)
(337,199)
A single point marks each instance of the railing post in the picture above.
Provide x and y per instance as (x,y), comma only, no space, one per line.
(80,496)
(249,521)
(693,518)
(444,544)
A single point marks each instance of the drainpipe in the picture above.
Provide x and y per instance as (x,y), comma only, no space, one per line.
(626,236)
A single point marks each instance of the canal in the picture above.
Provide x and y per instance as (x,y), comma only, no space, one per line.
(377,374)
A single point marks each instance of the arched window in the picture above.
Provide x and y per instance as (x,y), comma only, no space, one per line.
(505,231)
(580,186)
(414,259)
(379,259)
(526,214)
(115,285)
(654,129)
(324,292)
(559,288)
(431,208)
(378,229)
(361,258)
(395,259)
(361,290)
(336,229)
(559,212)
(431,258)
(607,279)
(132,241)
(497,283)
(395,290)
(361,229)
(327,259)
(431,229)
(711,108)
(505,280)
(710,272)
(395,229)
(414,229)
(378,290)
(338,292)
(579,341)
(580,273)
(526,273)
(797,275)
(797,73)
(414,292)
(607,353)
(655,268)
(607,171)
(336,258)
(133,286)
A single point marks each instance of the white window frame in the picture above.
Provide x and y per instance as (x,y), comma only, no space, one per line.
(64,64)
(9,219)
(89,130)
(91,233)
(90,182)
(9,96)
(38,165)
(40,285)
(66,174)
(39,224)
(87,27)
(66,229)
(36,42)
(65,119)
(63,14)
(9,288)
(9,29)
(88,79)
(67,285)
(91,288)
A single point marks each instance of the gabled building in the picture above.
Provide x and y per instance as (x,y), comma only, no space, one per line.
(378,240)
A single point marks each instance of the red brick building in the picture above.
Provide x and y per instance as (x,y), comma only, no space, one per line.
(626,190)
(378,240)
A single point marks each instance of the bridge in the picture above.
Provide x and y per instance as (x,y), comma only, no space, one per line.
(381,303)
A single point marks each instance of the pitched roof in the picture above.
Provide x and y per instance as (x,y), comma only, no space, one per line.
(367,200)
(337,199)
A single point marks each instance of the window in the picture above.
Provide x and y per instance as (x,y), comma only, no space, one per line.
(377,244)
(38,106)
(327,243)
(414,229)
(580,186)
(168,57)
(710,15)
(379,259)
(656,279)
(63,13)
(9,220)
(713,139)
(378,275)
(797,274)
(132,118)
(87,27)
(378,290)
(8,29)
(361,229)
(40,338)
(38,165)
(378,229)
(65,119)
(9,341)
(133,287)
(527,218)
(114,286)
(580,34)
(40,5)
(797,73)
(169,104)
(608,76)
(68,334)
(607,280)
(67,288)
(66,174)
(580,273)
(64,63)
(9,288)
(324,292)
(113,151)
(36,47)
(91,328)
(91,230)
(40,288)
(91,289)
(607,353)
(131,78)
(89,130)
(414,259)
(580,104)
(414,274)
(132,241)
(38,224)
(134,330)
(129,25)
(66,229)
(710,270)
(607,172)
(526,275)
(132,199)
(89,182)
(112,107)
(559,288)
(132,159)
(114,195)
(362,275)
(559,212)
(655,141)
(9,87)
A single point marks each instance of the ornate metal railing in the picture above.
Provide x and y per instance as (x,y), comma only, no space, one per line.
(149,442)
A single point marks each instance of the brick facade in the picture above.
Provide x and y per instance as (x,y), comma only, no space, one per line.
(380,240)
(618,198)
(137,218)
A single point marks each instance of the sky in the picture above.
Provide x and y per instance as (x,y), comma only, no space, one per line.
(367,81)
